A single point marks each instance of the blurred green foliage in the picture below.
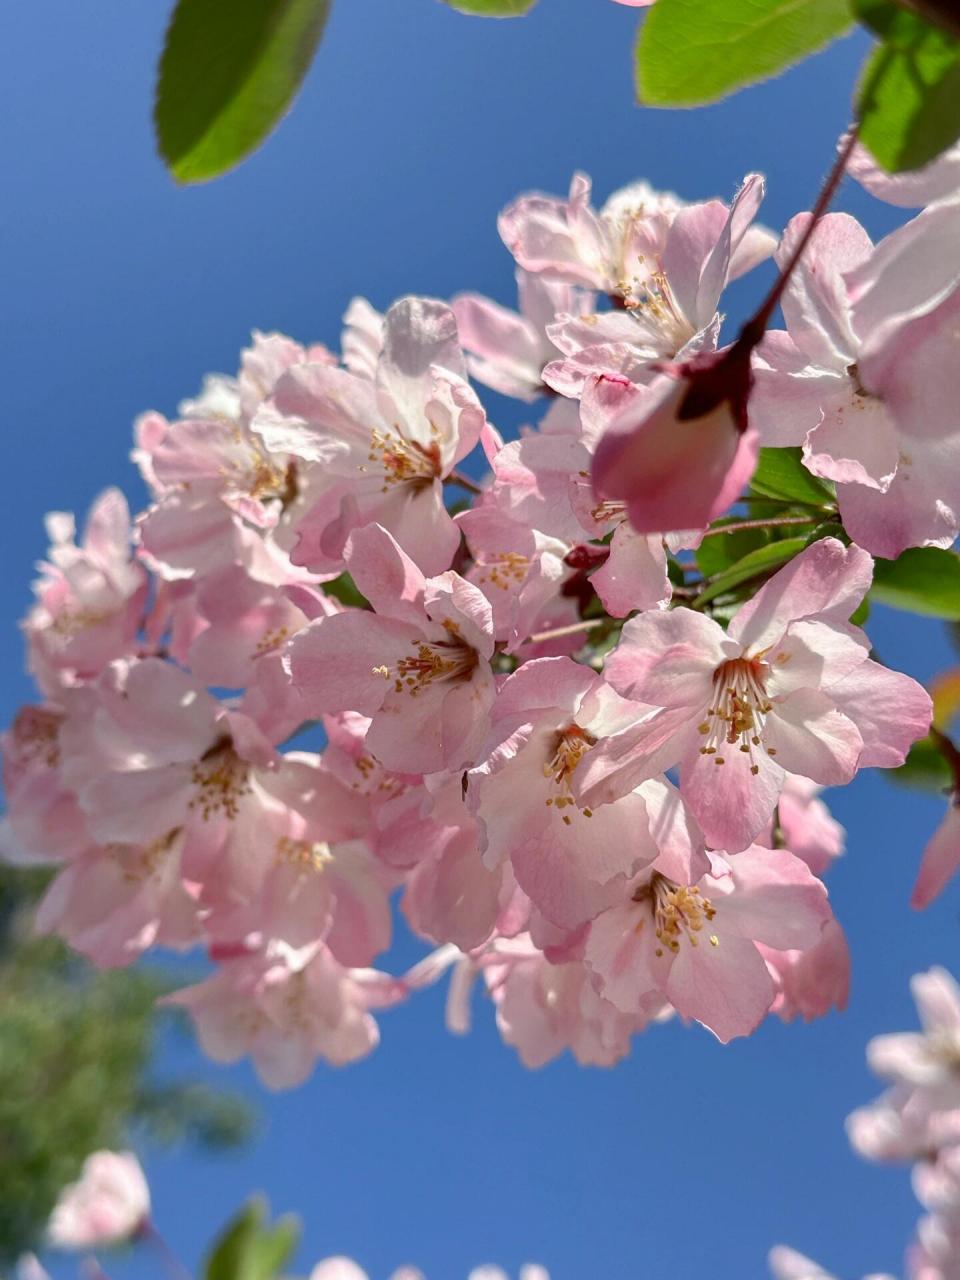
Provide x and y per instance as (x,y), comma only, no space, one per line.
(75,1069)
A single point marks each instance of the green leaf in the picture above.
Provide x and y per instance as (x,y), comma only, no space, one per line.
(924,768)
(696,51)
(909,96)
(923,580)
(247,1249)
(719,550)
(493,8)
(781,474)
(346,591)
(227,75)
(760,562)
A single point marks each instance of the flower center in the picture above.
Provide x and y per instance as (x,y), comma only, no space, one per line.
(142,862)
(303,855)
(679,911)
(269,482)
(450,659)
(404,461)
(508,569)
(569,747)
(737,713)
(35,736)
(221,779)
(649,298)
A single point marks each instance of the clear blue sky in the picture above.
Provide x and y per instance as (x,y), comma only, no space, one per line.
(120,291)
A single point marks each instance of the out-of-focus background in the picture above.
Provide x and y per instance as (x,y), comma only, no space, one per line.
(119,291)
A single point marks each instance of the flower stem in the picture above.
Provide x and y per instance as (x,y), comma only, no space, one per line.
(557,633)
(753,331)
(768,522)
(458,478)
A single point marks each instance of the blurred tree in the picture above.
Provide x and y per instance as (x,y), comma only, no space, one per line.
(75,1058)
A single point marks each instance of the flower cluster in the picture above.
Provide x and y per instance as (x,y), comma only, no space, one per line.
(917,1121)
(585,757)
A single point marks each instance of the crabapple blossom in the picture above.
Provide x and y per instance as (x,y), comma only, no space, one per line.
(302,684)
(380,448)
(788,688)
(863,376)
(108,1205)
(937,180)
(506,350)
(694,940)
(941,858)
(285,1008)
(569,859)
(90,598)
(419,666)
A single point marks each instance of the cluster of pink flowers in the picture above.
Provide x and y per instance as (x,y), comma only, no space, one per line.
(917,1121)
(605,831)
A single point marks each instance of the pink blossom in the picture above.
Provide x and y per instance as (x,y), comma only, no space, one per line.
(808,828)
(683,257)
(518,569)
(544,1009)
(787,1264)
(379,450)
(418,666)
(45,821)
(114,902)
(937,180)
(863,377)
(941,857)
(108,1205)
(221,496)
(903,1124)
(925,1059)
(694,942)
(543,480)
(506,350)
(285,1008)
(90,598)
(677,453)
(569,859)
(787,689)
(813,981)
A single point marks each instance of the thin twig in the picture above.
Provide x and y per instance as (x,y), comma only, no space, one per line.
(770,522)
(557,633)
(754,329)
(457,477)
(947,748)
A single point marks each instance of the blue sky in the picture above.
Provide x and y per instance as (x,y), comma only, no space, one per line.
(120,291)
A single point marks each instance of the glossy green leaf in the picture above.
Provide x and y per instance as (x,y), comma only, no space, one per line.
(923,580)
(249,1249)
(228,74)
(493,8)
(719,550)
(696,51)
(909,96)
(346,591)
(781,474)
(755,564)
(924,768)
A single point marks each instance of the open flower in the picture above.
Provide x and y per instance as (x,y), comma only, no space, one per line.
(865,376)
(286,1007)
(108,1205)
(571,860)
(694,942)
(379,450)
(787,689)
(419,666)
